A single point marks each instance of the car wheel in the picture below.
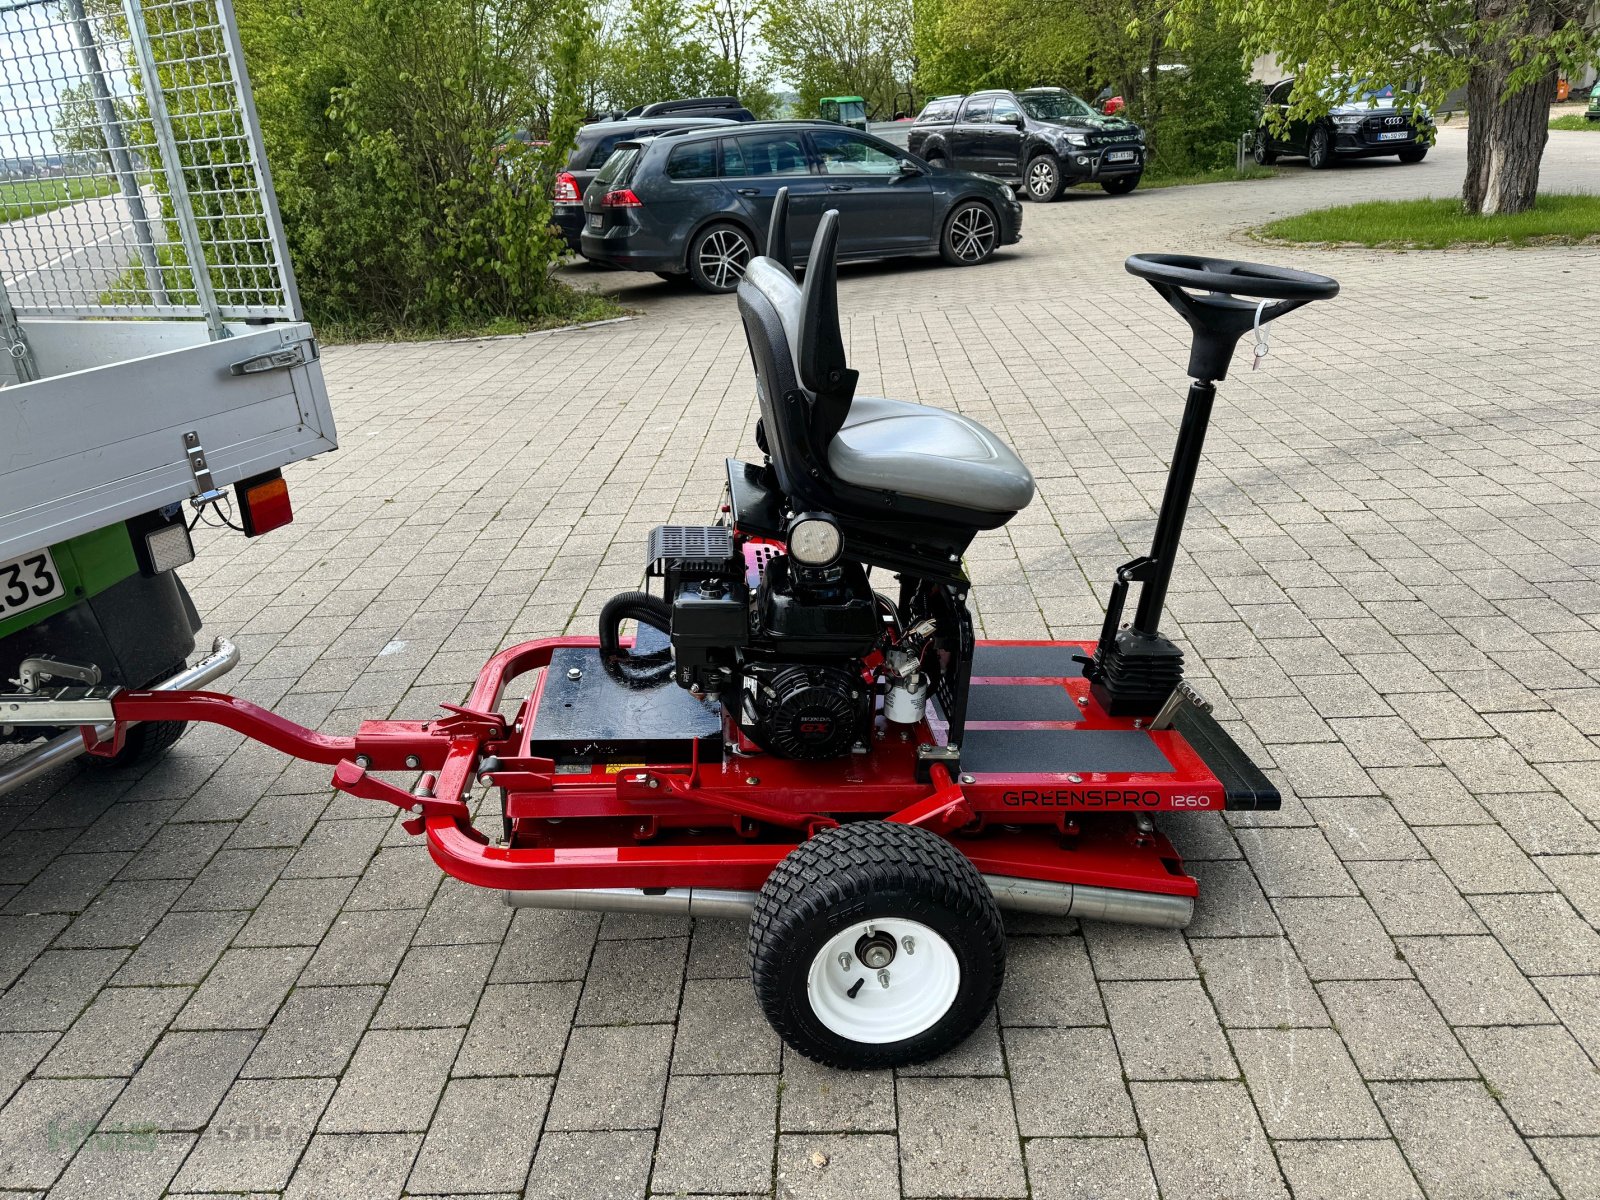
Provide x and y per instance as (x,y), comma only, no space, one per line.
(1122,184)
(718,257)
(875,944)
(1043,180)
(971,234)
(1414,154)
(1259,151)
(1319,150)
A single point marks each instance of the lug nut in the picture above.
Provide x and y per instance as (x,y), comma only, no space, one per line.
(883,978)
(845,962)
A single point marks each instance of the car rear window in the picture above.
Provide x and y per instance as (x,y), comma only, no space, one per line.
(939,110)
(618,169)
(608,143)
(696,160)
(765,154)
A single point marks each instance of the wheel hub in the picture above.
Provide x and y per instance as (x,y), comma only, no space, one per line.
(883,980)
(875,950)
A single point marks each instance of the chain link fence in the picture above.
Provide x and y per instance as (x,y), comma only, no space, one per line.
(132,177)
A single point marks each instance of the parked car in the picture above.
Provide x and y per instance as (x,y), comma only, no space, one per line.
(1364,123)
(696,202)
(1592,113)
(1041,139)
(695,106)
(595,144)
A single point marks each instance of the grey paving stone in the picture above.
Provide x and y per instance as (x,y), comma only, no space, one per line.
(545,944)
(1049,982)
(1068,1081)
(1168,1031)
(719,950)
(979,1055)
(56,988)
(818,1099)
(958,1138)
(69,884)
(1430,796)
(717,1127)
(393,1082)
(181,1082)
(637,979)
(1393,1031)
(115,1032)
(1137,952)
(612,1078)
(1294,862)
(334,848)
(1364,829)
(397,877)
(1573,1163)
(1305,1085)
(721,1031)
(296,912)
(122,915)
(1542,823)
(1201,837)
(243,990)
(592,1166)
(463,912)
(1257,982)
(314,1033)
(1545,1081)
(435,985)
(838,1167)
(482,1137)
(1474,981)
(182,948)
(1414,898)
(1231,902)
(1542,933)
(1343,1170)
(518,1029)
(340,1165)
(256,1137)
(1458,1141)
(1576,1000)
(1340,939)
(43,1125)
(643,925)
(20,1053)
(1089,1169)
(1578,877)
(235,879)
(179,851)
(124,1165)
(363,947)
(22,938)
(1205,1141)
(1482,859)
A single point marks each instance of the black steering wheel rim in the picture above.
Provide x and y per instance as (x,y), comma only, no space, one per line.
(1231,277)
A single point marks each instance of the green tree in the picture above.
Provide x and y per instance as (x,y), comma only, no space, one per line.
(78,129)
(844,47)
(1507,53)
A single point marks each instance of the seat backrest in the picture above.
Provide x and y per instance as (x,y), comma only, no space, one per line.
(803,381)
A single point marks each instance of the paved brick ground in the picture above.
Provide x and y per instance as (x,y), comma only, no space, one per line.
(221,980)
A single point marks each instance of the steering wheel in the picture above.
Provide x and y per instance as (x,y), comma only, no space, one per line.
(1232,278)
(1207,293)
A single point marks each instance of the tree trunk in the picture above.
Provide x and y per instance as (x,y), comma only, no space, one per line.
(1505,137)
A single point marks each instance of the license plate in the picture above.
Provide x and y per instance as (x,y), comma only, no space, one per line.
(1120,156)
(594,220)
(28,582)
(1398,135)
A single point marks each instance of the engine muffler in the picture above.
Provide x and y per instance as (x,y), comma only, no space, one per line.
(1012,893)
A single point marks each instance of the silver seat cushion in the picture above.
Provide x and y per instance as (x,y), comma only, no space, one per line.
(929,454)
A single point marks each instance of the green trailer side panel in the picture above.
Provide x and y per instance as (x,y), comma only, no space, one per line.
(89,564)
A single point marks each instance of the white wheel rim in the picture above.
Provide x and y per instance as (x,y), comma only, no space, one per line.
(922,981)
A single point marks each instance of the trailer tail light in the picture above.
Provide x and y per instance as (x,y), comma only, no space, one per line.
(567,189)
(621,199)
(264,503)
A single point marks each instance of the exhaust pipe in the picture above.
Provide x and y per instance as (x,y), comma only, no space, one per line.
(1017,895)
(65,747)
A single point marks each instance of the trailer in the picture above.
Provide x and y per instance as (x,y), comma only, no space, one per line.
(157,369)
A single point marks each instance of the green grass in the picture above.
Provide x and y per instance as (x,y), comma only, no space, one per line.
(1219,175)
(30,197)
(1436,224)
(1575,121)
(579,308)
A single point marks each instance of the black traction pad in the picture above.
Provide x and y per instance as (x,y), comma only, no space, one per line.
(1021,702)
(1060,752)
(1026,662)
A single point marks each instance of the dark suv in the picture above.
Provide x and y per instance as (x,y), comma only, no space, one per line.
(594,146)
(1043,139)
(697,202)
(1365,124)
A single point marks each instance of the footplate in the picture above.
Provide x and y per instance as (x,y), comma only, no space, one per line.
(1246,786)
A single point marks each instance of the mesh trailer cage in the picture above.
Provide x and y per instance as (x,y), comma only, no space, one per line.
(133,182)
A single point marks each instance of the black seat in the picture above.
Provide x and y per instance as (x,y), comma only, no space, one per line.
(876,460)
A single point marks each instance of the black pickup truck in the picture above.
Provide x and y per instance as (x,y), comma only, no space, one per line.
(1042,139)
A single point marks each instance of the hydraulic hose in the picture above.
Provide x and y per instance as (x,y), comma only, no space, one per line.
(636,670)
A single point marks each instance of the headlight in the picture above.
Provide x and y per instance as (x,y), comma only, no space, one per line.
(1348,120)
(814,540)
(1074,139)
